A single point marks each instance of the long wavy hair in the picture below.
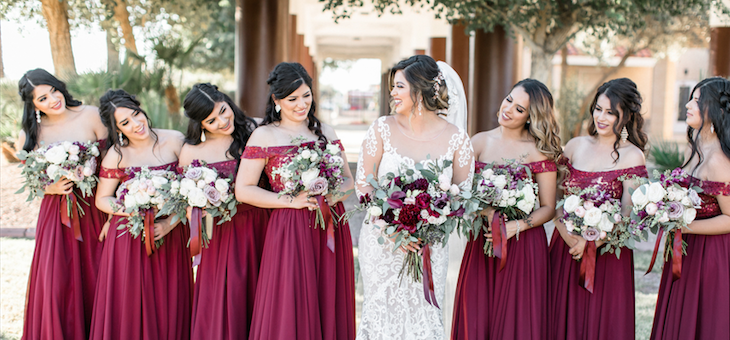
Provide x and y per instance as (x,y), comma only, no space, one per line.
(542,125)
(714,104)
(283,81)
(623,94)
(108,104)
(421,72)
(26,85)
(199,103)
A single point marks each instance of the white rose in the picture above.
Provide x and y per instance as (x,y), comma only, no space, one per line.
(511,201)
(605,224)
(186,184)
(333,149)
(306,154)
(681,194)
(67,145)
(571,203)
(569,225)
(209,175)
(671,195)
(592,217)
(133,187)
(309,175)
(487,173)
(525,205)
(375,211)
(664,218)
(528,193)
(503,203)
(454,189)
(196,198)
(638,198)
(52,170)
(158,182)
(201,184)
(94,151)
(686,201)
(444,182)
(689,215)
(656,192)
(175,185)
(313,157)
(500,181)
(446,211)
(74,149)
(73,158)
(221,185)
(88,172)
(56,154)
(142,197)
(129,201)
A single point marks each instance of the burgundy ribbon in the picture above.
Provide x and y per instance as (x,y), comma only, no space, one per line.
(588,266)
(428,276)
(677,255)
(656,250)
(149,231)
(196,234)
(499,231)
(73,221)
(330,228)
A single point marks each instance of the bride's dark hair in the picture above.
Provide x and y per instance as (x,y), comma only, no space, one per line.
(422,73)
(714,104)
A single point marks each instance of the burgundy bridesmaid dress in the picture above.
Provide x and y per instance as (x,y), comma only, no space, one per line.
(140,296)
(697,305)
(225,286)
(305,291)
(506,304)
(608,312)
(63,273)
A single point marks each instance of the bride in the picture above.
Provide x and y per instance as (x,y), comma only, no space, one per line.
(421,90)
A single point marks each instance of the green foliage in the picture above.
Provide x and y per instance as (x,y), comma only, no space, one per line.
(11,110)
(666,155)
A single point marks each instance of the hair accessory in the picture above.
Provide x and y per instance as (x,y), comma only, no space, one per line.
(437,84)
(121,138)
(277,108)
(206,95)
(202,135)
(624,134)
(38,116)
(29,82)
(115,106)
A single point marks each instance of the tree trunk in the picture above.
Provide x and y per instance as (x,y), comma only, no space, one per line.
(541,66)
(122,16)
(56,15)
(112,51)
(173,104)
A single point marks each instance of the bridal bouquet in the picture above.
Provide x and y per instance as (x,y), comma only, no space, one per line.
(509,189)
(595,215)
(420,206)
(75,161)
(665,207)
(139,196)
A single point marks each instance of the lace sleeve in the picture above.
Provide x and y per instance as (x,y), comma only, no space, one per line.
(371,151)
(464,162)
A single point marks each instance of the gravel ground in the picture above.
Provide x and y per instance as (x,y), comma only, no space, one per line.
(15,257)
(15,212)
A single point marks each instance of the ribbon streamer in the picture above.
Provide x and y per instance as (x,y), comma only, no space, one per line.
(588,266)
(428,290)
(330,228)
(656,250)
(677,255)
(196,237)
(499,231)
(149,231)
(69,205)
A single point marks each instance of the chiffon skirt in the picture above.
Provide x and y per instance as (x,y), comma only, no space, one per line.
(225,287)
(697,305)
(304,291)
(140,296)
(506,304)
(63,273)
(575,313)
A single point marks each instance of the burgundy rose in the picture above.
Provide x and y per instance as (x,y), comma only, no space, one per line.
(676,210)
(423,200)
(389,217)
(398,182)
(591,234)
(409,215)
(420,184)
(317,187)
(213,196)
(409,228)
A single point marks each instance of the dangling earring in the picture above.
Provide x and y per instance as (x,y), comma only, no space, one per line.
(277,108)
(121,139)
(202,136)
(712,126)
(624,134)
(420,107)
(38,116)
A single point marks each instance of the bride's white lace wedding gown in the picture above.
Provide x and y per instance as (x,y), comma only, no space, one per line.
(395,308)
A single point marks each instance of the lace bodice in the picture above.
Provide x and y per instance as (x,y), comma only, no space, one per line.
(276,156)
(377,149)
(710,207)
(608,181)
(124,174)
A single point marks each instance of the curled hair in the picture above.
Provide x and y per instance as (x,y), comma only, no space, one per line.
(26,85)
(108,104)
(623,94)
(422,72)
(714,104)
(543,126)
(283,81)
(200,102)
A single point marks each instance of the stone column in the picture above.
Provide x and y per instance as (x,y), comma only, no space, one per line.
(459,61)
(437,50)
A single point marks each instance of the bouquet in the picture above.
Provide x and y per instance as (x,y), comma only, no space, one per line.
(201,188)
(75,161)
(140,196)
(417,206)
(665,207)
(317,170)
(510,190)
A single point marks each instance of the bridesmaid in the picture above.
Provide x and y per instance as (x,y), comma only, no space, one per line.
(511,303)
(599,160)
(305,290)
(139,296)
(226,279)
(64,270)
(697,305)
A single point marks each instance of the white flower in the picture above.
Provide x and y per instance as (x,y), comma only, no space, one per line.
(639,198)
(158,182)
(221,185)
(175,185)
(306,154)
(500,181)
(571,203)
(605,224)
(605,206)
(664,218)
(88,172)
(511,201)
(209,175)
(67,145)
(454,189)
(671,195)
(52,170)
(569,225)
(129,201)
(487,173)
(142,197)
(592,217)
(73,158)
(686,201)
(375,211)
(333,149)
(56,154)
(681,194)
(200,184)
(196,198)
(94,151)
(528,193)
(689,215)
(313,157)
(309,175)
(526,205)
(503,203)
(444,182)
(656,192)
(186,184)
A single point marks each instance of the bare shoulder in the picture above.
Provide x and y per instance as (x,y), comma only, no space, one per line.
(631,156)
(112,159)
(329,132)
(261,136)
(573,145)
(20,141)
(90,115)
(187,153)
(718,164)
(170,138)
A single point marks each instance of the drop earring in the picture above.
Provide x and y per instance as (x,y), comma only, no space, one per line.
(277,108)
(202,135)
(712,127)
(624,134)
(420,107)
(121,139)
(38,116)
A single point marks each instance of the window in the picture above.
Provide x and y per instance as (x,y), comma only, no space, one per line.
(683,99)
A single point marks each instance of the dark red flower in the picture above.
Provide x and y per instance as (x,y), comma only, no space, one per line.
(408,216)
(423,200)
